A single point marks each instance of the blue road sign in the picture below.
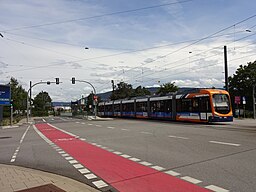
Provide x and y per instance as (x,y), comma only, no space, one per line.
(5,95)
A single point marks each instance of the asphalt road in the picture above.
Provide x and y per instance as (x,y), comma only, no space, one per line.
(220,156)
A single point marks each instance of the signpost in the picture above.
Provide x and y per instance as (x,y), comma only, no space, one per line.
(5,95)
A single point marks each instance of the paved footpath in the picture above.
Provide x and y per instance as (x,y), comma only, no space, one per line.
(19,179)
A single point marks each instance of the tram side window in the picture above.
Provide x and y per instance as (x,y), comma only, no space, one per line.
(117,107)
(168,106)
(108,108)
(141,106)
(159,106)
(128,107)
(101,108)
(204,104)
(186,105)
(195,105)
(178,105)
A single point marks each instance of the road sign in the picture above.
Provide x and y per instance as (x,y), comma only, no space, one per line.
(5,94)
(237,99)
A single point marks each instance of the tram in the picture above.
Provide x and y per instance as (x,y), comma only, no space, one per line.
(200,105)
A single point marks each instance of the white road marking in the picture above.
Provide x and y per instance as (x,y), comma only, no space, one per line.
(52,119)
(77,122)
(78,166)
(23,136)
(111,127)
(98,125)
(90,124)
(117,152)
(173,173)
(104,147)
(82,123)
(73,161)
(69,158)
(64,155)
(43,120)
(158,168)
(14,156)
(148,133)
(59,149)
(191,180)
(82,139)
(145,163)
(224,143)
(134,159)
(177,137)
(90,176)
(216,188)
(98,145)
(125,156)
(100,184)
(84,171)
(110,150)
(125,129)
(61,152)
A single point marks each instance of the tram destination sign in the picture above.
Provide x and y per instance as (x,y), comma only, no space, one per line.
(5,95)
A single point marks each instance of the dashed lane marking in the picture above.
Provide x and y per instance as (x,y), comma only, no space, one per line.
(43,120)
(117,152)
(125,129)
(83,171)
(134,159)
(98,125)
(125,156)
(216,188)
(73,161)
(14,156)
(69,158)
(78,166)
(173,173)
(158,168)
(145,163)
(177,137)
(111,127)
(224,143)
(148,133)
(191,180)
(100,184)
(90,176)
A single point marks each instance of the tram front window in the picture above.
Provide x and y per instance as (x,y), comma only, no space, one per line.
(221,103)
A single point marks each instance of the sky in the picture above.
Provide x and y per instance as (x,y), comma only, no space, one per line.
(143,43)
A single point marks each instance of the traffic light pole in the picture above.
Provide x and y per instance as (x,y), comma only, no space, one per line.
(29,91)
(94,90)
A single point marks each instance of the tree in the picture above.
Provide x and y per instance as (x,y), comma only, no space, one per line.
(140,91)
(42,103)
(18,96)
(242,82)
(123,90)
(167,88)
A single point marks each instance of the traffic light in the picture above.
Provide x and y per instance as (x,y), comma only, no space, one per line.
(57,81)
(73,80)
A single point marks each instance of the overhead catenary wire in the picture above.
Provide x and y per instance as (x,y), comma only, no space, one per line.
(139,76)
(96,16)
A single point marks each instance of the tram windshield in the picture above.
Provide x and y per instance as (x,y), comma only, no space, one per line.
(221,103)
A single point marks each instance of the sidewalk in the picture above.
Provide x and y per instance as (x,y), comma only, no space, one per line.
(19,179)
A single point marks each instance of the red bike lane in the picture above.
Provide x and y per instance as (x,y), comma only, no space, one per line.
(121,173)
